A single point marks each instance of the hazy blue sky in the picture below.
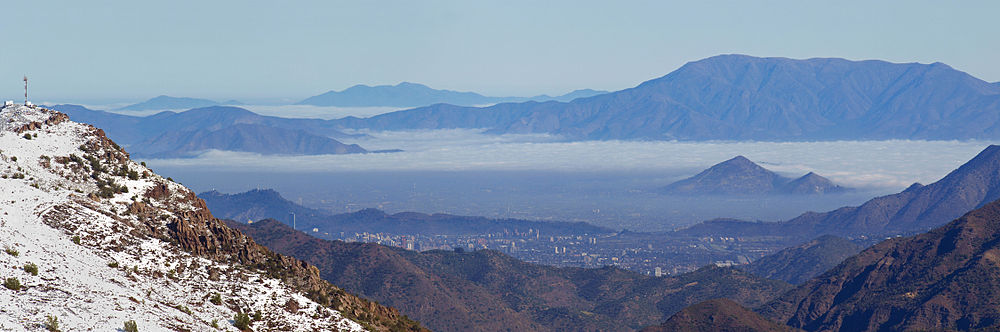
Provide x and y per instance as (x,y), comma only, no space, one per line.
(87,51)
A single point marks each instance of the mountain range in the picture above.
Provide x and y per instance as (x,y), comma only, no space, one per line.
(408,94)
(802,262)
(175,103)
(173,134)
(486,290)
(268,204)
(945,279)
(916,209)
(740,176)
(739,97)
(94,240)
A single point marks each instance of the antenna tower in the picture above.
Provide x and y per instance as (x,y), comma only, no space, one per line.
(25,89)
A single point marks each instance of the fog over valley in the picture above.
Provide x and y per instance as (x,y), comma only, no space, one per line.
(609,183)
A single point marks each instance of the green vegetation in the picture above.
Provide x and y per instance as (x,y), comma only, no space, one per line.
(184,309)
(12,283)
(27,136)
(215,323)
(11,251)
(241,321)
(31,268)
(108,188)
(216,299)
(76,239)
(51,323)
(113,265)
(131,326)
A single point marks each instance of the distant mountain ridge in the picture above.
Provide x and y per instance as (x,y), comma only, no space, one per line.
(740,176)
(180,134)
(268,204)
(738,97)
(164,102)
(408,94)
(242,137)
(916,209)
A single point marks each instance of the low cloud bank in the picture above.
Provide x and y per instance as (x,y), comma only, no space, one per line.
(894,163)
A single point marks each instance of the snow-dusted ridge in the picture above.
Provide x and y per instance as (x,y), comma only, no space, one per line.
(114,242)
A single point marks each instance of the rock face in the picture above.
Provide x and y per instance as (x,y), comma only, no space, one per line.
(946,279)
(116,242)
(800,263)
(740,176)
(916,209)
(738,97)
(718,315)
(488,291)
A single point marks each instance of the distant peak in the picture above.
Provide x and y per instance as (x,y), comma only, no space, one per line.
(738,160)
(812,175)
(914,186)
(410,84)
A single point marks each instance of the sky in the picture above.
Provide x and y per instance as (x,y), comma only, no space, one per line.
(284,51)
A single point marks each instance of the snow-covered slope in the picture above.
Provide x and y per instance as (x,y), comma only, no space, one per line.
(114,242)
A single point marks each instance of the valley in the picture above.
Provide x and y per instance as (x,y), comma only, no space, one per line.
(506,166)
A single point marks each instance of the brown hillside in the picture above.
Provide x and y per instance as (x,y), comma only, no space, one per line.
(488,291)
(948,278)
(718,315)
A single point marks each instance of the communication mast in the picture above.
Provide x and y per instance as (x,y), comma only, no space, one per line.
(25,90)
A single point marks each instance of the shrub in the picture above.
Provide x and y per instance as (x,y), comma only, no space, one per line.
(13,158)
(215,323)
(184,309)
(241,321)
(27,136)
(216,299)
(76,239)
(131,326)
(51,323)
(113,265)
(11,251)
(31,268)
(12,283)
